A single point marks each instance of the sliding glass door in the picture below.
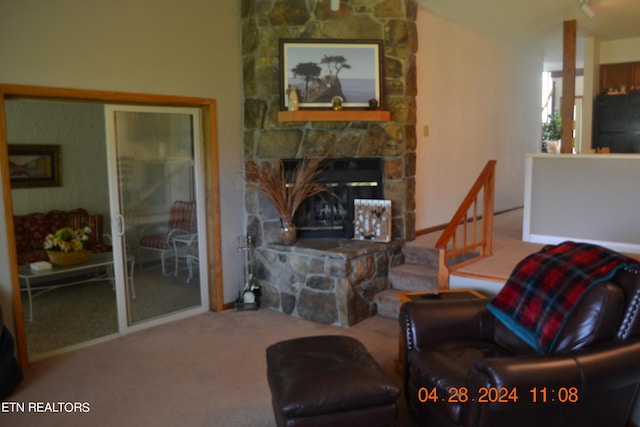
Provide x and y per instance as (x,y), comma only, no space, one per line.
(157,209)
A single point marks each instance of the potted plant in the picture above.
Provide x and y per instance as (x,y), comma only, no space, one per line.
(552,132)
(286,191)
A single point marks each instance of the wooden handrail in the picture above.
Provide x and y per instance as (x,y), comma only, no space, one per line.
(447,244)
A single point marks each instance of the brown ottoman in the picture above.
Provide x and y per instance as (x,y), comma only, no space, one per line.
(329,381)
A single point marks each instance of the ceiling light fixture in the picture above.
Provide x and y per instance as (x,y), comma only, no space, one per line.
(335,5)
(584,7)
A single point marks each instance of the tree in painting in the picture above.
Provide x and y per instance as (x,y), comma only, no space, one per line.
(321,89)
(335,64)
(309,71)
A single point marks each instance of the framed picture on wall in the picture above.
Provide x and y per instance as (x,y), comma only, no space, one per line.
(323,69)
(34,166)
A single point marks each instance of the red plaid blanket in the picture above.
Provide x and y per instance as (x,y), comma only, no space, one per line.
(545,286)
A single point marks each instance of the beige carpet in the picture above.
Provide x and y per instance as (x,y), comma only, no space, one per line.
(208,370)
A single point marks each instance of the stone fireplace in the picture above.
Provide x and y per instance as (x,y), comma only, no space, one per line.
(330,279)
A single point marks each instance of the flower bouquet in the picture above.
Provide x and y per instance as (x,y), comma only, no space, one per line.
(68,246)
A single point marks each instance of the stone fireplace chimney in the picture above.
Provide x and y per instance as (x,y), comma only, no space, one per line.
(264,22)
(331,281)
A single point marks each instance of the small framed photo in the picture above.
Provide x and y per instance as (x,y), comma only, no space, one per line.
(325,68)
(372,220)
(34,166)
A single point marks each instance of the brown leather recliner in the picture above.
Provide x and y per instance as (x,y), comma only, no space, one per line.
(10,372)
(463,367)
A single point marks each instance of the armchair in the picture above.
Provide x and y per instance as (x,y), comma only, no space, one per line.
(10,371)
(160,239)
(193,257)
(463,367)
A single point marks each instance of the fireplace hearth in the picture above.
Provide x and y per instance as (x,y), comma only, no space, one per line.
(330,281)
(331,214)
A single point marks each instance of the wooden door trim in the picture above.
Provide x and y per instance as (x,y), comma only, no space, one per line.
(212,188)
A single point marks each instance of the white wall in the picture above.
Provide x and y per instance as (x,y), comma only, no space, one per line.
(570,198)
(185,48)
(78,130)
(622,50)
(591,86)
(481,101)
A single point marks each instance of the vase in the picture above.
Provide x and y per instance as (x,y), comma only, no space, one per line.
(66,259)
(288,233)
(293,99)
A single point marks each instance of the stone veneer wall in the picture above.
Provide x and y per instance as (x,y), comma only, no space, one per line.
(264,22)
(331,282)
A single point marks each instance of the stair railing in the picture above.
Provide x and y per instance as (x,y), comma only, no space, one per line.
(466,224)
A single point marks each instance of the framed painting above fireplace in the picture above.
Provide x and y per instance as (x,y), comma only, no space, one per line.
(322,69)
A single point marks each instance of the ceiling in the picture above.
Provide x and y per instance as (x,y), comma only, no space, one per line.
(520,22)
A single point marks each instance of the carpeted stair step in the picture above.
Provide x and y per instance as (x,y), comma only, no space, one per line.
(462,258)
(404,278)
(388,303)
(414,253)
(413,278)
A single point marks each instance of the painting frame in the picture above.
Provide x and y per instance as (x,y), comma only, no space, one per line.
(33,166)
(365,72)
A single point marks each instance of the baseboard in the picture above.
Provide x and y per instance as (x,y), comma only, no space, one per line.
(440,227)
(229,306)
(429,230)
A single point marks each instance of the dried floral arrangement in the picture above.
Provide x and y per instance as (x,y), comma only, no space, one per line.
(285,190)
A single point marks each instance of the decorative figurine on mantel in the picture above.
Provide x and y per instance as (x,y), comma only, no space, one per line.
(293,100)
(336,102)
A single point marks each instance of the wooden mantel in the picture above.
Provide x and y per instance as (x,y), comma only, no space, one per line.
(334,116)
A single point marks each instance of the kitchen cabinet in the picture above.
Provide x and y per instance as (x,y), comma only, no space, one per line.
(615,77)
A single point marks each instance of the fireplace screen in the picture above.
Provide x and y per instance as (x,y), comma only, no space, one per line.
(331,214)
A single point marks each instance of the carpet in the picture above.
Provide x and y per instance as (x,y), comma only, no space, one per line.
(72,315)
(207,370)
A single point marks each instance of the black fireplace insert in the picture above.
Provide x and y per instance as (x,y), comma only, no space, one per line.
(330,214)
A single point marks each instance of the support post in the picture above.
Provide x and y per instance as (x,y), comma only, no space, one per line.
(568,85)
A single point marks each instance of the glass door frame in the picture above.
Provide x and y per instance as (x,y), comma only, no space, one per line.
(118,222)
(213,263)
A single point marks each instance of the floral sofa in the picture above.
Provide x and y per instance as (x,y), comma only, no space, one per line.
(31,230)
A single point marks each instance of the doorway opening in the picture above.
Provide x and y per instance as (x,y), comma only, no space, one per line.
(120,286)
(551,123)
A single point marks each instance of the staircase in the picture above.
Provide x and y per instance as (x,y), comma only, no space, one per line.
(418,273)
(428,264)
